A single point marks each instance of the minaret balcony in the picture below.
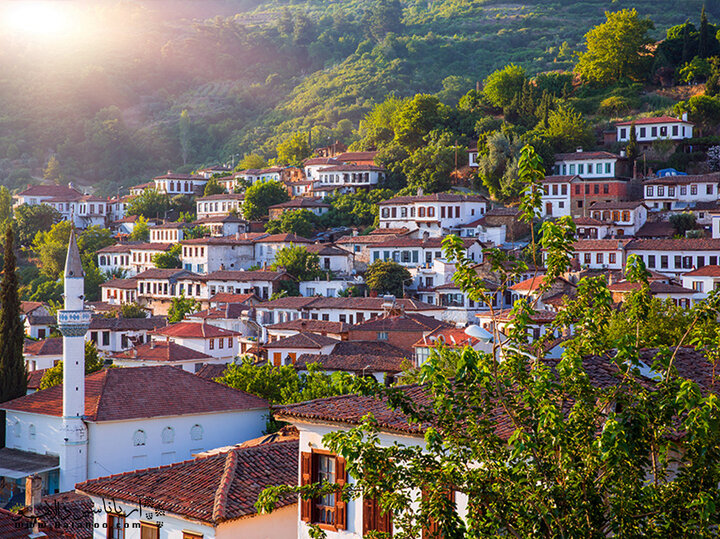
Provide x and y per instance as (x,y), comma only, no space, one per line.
(74,323)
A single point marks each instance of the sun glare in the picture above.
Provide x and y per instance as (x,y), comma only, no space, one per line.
(37,18)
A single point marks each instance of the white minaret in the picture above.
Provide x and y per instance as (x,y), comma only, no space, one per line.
(73,322)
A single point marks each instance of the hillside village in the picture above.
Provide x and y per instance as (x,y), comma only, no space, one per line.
(192,341)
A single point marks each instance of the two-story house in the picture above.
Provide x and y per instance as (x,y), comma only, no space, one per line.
(591,164)
(622,218)
(219,205)
(649,130)
(677,193)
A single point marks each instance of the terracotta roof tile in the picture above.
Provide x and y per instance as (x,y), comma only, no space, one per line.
(195,330)
(210,489)
(400,322)
(49,191)
(68,511)
(679,244)
(437,197)
(303,341)
(655,120)
(713,177)
(302,202)
(46,347)
(9,528)
(127,324)
(311,326)
(282,238)
(705,271)
(161,351)
(156,391)
(581,156)
(245,276)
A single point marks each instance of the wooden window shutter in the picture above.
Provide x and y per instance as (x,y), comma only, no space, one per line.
(368,515)
(305,479)
(340,505)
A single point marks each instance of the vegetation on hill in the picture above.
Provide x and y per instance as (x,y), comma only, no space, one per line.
(171,93)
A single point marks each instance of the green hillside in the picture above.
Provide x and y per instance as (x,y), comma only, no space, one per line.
(109,104)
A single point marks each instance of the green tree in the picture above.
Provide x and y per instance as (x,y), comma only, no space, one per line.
(501,87)
(93,279)
(387,277)
(703,110)
(386,17)
(52,171)
(704,37)
(377,128)
(301,222)
(169,259)
(260,196)
(92,239)
(294,150)
(199,231)
(283,384)
(251,161)
(54,375)
(151,204)
(30,220)
(497,166)
(141,230)
(566,130)
(631,150)
(431,166)
(6,211)
(13,377)
(416,118)
(50,247)
(298,262)
(180,307)
(609,439)
(213,187)
(132,310)
(616,49)
(683,222)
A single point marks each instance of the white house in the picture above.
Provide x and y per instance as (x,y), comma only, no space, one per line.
(608,254)
(206,255)
(332,258)
(223,225)
(42,354)
(168,232)
(702,280)
(209,497)
(179,184)
(590,164)
(141,256)
(267,246)
(349,177)
(119,291)
(555,197)
(312,165)
(135,418)
(674,257)
(202,337)
(219,205)
(314,205)
(436,214)
(40,194)
(649,130)
(414,252)
(681,192)
(158,353)
(262,283)
(116,258)
(111,335)
(621,218)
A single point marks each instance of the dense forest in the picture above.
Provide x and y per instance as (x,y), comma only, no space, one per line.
(144,87)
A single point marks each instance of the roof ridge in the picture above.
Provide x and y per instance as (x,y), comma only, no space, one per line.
(223,490)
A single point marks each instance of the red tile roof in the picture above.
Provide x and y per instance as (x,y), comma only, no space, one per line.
(195,330)
(557,179)
(355,156)
(656,120)
(283,238)
(69,511)
(303,341)
(34,378)
(358,363)
(713,177)
(705,271)
(429,243)
(400,322)
(211,489)
(532,283)
(629,205)
(581,156)
(161,351)
(320,161)
(437,197)
(14,526)
(600,245)
(222,196)
(656,287)
(302,202)
(46,347)
(311,326)
(155,392)
(245,276)
(678,244)
(50,191)
(29,306)
(210,371)
(125,284)
(227,297)
(352,168)
(448,336)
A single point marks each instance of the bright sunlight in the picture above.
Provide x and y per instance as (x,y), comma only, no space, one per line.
(37,18)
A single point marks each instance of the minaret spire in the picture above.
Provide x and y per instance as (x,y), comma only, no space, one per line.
(73,322)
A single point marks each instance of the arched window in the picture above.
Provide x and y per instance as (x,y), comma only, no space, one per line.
(31,431)
(139,438)
(17,429)
(168,435)
(421,211)
(403,212)
(196,432)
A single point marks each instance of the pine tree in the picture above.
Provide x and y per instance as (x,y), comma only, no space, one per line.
(632,146)
(13,377)
(704,35)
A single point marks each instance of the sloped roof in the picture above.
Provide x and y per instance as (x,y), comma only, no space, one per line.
(125,284)
(620,205)
(400,322)
(243,276)
(158,273)
(141,392)
(50,191)
(46,347)
(303,341)
(127,324)
(69,511)
(227,297)
(210,489)
(713,177)
(656,287)
(302,202)
(311,326)
(437,197)
(161,351)
(211,371)
(326,249)
(582,156)
(357,363)
(195,330)
(14,526)
(675,244)
(705,271)
(282,238)
(29,306)
(655,120)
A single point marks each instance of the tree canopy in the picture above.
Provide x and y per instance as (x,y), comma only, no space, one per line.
(260,196)
(387,277)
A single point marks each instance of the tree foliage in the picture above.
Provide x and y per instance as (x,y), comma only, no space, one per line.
(54,375)
(150,204)
(13,377)
(294,150)
(30,220)
(260,196)
(298,262)
(502,86)
(213,187)
(301,222)
(616,49)
(387,277)
(180,307)
(132,310)
(141,230)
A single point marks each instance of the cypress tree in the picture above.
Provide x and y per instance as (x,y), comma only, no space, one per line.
(686,43)
(704,39)
(631,149)
(13,377)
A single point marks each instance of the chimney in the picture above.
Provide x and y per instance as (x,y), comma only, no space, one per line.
(420,191)
(684,117)
(33,494)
